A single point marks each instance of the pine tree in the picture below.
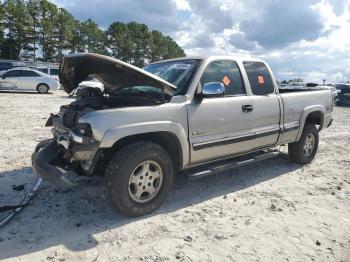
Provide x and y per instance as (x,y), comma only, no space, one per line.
(15,23)
(33,10)
(47,40)
(38,29)
(64,23)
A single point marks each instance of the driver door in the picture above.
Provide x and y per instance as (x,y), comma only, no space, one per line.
(219,126)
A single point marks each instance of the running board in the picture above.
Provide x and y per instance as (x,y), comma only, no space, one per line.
(225,165)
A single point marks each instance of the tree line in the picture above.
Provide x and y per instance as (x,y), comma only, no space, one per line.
(292,80)
(39,30)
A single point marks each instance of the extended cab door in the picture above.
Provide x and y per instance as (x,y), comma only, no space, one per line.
(265,102)
(220,126)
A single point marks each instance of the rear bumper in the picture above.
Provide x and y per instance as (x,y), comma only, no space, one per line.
(44,153)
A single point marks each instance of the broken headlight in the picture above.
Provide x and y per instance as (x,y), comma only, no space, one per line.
(83,129)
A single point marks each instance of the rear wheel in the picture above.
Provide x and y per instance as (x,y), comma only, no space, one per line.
(42,88)
(304,151)
(139,178)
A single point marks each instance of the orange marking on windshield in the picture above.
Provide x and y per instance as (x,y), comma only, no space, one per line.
(261,80)
(226,80)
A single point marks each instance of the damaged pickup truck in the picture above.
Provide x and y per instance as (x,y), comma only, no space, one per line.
(199,114)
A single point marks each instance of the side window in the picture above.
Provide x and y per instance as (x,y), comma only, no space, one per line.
(54,71)
(226,72)
(259,78)
(27,73)
(44,70)
(13,73)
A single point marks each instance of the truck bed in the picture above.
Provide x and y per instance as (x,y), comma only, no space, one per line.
(296,104)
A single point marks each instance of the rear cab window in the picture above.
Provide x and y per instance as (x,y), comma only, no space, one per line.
(259,77)
(226,72)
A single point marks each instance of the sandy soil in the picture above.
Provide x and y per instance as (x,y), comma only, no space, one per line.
(270,211)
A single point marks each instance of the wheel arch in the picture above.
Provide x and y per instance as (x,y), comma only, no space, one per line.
(171,136)
(312,115)
(165,139)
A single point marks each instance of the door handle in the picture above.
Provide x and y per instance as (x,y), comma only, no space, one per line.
(247,108)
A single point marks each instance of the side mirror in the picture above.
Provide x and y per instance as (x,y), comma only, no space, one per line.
(3,76)
(213,89)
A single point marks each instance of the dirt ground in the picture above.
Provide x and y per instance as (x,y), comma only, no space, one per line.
(269,211)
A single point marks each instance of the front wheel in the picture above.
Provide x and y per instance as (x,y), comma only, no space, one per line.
(304,151)
(139,178)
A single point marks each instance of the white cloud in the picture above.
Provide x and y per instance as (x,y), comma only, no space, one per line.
(314,56)
(299,38)
(182,5)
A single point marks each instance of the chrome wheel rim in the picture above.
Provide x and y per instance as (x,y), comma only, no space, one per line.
(309,145)
(42,89)
(145,181)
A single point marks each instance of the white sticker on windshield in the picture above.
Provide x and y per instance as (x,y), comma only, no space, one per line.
(180,66)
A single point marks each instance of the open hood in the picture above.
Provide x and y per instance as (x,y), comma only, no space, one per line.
(113,73)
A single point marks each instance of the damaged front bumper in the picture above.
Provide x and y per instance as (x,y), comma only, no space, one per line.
(56,160)
(42,156)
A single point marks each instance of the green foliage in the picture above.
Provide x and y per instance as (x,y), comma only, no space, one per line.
(47,40)
(118,41)
(33,10)
(2,39)
(15,22)
(39,30)
(75,39)
(92,37)
(64,23)
(135,44)
(292,80)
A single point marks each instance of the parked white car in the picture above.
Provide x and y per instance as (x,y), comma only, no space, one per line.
(20,78)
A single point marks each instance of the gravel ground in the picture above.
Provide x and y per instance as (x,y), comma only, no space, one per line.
(269,211)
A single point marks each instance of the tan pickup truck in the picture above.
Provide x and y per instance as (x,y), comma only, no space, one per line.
(201,115)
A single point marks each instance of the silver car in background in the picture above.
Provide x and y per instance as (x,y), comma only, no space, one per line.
(22,78)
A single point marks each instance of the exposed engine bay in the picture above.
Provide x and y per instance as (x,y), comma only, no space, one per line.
(91,99)
(73,148)
(76,139)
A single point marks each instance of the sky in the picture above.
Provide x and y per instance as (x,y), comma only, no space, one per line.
(309,39)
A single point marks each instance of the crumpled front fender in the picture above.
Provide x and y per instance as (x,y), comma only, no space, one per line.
(114,134)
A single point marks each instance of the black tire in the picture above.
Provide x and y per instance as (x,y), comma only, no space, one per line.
(296,150)
(42,88)
(122,165)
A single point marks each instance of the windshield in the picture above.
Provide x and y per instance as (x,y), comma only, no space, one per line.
(177,72)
